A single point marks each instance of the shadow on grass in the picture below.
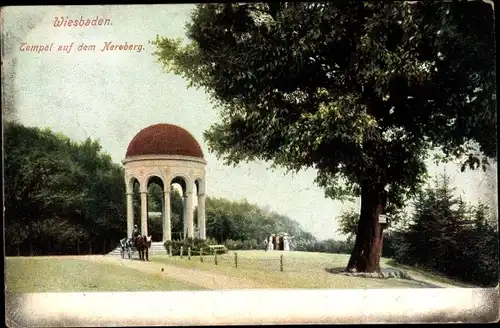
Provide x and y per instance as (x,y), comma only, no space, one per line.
(342,271)
(337,270)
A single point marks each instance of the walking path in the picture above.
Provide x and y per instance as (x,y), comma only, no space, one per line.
(204,279)
(212,280)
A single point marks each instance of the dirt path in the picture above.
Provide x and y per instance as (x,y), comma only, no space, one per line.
(210,280)
(200,278)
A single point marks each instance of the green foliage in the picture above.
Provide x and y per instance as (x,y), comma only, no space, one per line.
(155,196)
(60,196)
(242,221)
(360,91)
(155,228)
(348,224)
(448,236)
(195,244)
(325,246)
(243,244)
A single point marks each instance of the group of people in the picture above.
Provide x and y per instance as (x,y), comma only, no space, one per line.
(277,242)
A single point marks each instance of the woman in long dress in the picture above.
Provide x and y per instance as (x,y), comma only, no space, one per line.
(270,244)
(286,242)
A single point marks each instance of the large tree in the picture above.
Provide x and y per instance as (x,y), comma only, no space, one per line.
(359,91)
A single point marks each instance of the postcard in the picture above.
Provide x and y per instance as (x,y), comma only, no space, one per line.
(253,163)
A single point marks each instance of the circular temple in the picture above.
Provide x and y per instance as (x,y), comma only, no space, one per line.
(164,139)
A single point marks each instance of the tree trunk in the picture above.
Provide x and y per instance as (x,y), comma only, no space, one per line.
(365,256)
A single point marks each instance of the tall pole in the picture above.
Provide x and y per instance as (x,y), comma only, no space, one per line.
(201,216)
(189,209)
(184,215)
(167,230)
(130,214)
(144,213)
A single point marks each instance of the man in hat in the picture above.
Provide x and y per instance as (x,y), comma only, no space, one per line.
(136,231)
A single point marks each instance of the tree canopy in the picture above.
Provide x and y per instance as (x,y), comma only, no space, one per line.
(61,196)
(360,91)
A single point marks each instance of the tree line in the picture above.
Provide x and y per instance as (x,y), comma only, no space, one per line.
(61,196)
(67,197)
(225,219)
(444,234)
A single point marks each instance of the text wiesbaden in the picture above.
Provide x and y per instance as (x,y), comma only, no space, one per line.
(82,22)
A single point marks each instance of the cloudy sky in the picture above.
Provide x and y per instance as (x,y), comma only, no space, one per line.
(110,96)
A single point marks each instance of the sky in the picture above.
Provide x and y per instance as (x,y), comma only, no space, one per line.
(112,95)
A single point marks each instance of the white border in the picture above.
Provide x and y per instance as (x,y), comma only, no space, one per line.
(250,307)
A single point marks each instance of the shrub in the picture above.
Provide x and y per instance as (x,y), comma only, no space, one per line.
(195,244)
(325,246)
(247,244)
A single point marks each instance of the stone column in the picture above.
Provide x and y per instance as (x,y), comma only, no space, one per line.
(144,213)
(167,229)
(189,208)
(184,216)
(130,214)
(201,216)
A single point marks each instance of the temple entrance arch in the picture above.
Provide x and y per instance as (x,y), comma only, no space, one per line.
(155,187)
(163,155)
(133,194)
(182,182)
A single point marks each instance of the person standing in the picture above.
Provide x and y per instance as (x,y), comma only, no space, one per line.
(286,242)
(136,231)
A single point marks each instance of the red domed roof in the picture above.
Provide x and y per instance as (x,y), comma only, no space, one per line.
(164,139)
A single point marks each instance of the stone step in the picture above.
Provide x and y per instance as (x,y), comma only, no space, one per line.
(155,249)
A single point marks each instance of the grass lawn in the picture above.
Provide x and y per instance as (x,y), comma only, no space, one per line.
(301,269)
(59,274)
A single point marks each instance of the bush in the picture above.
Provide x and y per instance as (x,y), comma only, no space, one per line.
(390,244)
(195,244)
(325,246)
(243,244)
